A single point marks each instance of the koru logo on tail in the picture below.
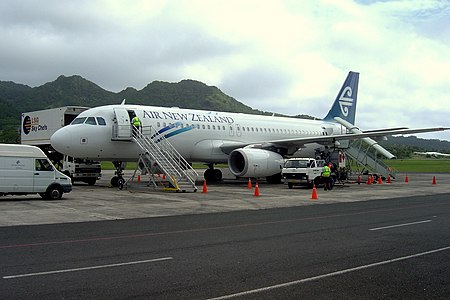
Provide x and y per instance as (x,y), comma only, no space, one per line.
(345,100)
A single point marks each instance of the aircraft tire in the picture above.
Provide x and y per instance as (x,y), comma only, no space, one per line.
(212,175)
(217,175)
(274,179)
(115,181)
(120,183)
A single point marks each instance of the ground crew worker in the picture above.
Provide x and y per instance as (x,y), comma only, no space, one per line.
(326,176)
(136,123)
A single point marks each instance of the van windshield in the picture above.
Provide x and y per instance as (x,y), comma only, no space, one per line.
(296,164)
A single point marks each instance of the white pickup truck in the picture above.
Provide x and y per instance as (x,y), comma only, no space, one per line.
(302,171)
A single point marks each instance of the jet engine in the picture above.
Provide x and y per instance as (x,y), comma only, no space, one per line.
(250,162)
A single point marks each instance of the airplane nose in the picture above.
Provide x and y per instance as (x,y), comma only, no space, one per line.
(60,140)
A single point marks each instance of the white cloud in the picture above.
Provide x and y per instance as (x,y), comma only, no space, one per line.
(284,56)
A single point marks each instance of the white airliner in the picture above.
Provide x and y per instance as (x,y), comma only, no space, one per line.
(433,154)
(252,145)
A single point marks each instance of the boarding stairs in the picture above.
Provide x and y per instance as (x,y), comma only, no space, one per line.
(367,158)
(158,155)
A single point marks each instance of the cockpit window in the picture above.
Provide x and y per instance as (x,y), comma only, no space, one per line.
(101,121)
(91,121)
(78,121)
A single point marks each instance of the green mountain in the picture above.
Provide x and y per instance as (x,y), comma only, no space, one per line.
(75,90)
(16,99)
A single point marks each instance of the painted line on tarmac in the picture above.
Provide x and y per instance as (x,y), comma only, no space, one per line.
(291,283)
(400,225)
(88,268)
(233,226)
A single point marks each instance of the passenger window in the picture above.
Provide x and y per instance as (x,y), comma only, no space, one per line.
(91,121)
(43,165)
(78,121)
(101,121)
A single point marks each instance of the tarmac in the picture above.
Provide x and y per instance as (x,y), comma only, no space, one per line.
(102,202)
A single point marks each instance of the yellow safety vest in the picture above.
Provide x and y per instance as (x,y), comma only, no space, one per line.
(326,171)
(136,121)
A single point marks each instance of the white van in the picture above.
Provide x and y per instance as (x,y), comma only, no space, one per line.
(27,170)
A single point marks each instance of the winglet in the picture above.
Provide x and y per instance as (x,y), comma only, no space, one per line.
(123,102)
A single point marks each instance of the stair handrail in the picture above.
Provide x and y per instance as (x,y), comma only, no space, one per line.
(159,144)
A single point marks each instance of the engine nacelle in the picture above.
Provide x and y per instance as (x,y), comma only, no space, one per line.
(250,162)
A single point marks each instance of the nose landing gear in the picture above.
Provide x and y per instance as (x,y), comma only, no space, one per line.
(118,180)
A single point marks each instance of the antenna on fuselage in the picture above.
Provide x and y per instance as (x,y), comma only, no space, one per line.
(123,102)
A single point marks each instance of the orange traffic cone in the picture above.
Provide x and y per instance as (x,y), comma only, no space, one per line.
(389,178)
(139,178)
(249,185)
(406,179)
(380,180)
(314,193)
(205,189)
(256,190)
(369,180)
(359,179)
(434,179)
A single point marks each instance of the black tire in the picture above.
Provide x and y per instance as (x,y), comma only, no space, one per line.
(317,181)
(91,181)
(54,192)
(115,181)
(274,179)
(290,185)
(212,175)
(217,175)
(120,183)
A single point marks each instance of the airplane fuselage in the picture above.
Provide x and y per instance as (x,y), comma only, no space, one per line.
(197,134)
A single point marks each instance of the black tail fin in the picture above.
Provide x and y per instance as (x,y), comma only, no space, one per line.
(345,104)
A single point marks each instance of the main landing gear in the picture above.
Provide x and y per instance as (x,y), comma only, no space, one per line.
(212,175)
(117,180)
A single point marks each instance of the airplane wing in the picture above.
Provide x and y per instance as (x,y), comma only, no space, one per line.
(227,147)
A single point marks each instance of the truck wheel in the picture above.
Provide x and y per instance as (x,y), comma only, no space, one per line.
(91,181)
(317,181)
(54,193)
(290,185)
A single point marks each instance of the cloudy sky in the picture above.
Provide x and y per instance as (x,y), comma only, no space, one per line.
(288,57)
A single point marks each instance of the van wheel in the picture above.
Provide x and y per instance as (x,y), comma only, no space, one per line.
(54,193)
(290,185)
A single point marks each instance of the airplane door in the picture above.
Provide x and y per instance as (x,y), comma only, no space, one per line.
(231,129)
(238,130)
(122,124)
